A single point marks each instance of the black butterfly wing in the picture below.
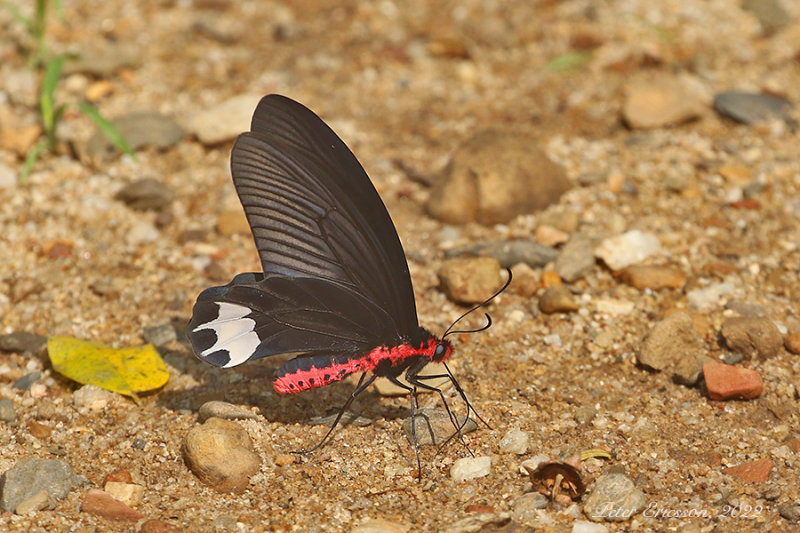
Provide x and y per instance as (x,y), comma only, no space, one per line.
(335,279)
(313,210)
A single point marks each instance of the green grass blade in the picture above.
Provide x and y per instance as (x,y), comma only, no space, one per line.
(47,98)
(107,128)
(59,9)
(30,160)
(570,61)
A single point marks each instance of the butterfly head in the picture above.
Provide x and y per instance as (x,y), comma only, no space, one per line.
(441,350)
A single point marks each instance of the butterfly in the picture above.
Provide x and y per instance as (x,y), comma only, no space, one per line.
(335,289)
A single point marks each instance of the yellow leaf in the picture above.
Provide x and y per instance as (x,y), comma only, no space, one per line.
(594,452)
(123,370)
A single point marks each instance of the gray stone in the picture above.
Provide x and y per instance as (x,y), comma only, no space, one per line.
(752,336)
(22,342)
(139,129)
(7,412)
(614,498)
(576,258)
(790,512)
(160,335)
(224,410)
(770,14)
(510,253)
(671,341)
(348,419)
(29,476)
(144,194)
(433,426)
(752,108)
(25,382)
(525,509)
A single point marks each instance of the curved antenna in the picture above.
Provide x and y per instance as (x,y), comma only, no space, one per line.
(486,301)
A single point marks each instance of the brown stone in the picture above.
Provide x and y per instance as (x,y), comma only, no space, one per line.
(100,503)
(470,280)
(157,526)
(726,382)
(557,299)
(653,277)
(495,176)
(39,430)
(792,342)
(120,475)
(752,336)
(752,472)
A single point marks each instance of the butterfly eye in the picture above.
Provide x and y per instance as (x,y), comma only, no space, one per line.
(439,352)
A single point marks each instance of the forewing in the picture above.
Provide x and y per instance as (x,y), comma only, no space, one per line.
(315,213)
(259,315)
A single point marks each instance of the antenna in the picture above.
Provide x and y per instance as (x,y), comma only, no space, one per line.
(475,308)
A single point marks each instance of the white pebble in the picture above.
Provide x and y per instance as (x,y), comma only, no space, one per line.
(142,232)
(515,441)
(709,297)
(614,307)
(584,526)
(471,468)
(630,248)
(91,398)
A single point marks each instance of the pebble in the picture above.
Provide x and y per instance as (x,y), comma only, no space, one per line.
(233,222)
(39,430)
(576,259)
(770,14)
(91,398)
(790,511)
(39,501)
(104,59)
(128,493)
(746,308)
(348,419)
(495,176)
(792,342)
(557,299)
(470,280)
(550,236)
(224,410)
(752,108)
(525,282)
(7,412)
(614,498)
(8,177)
(628,249)
(142,232)
(471,468)
(509,253)
(101,503)
(433,426)
(221,455)
(672,344)
(160,335)
(515,441)
(224,121)
(157,526)
(709,297)
(146,194)
(726,382)
(31,475)
(614,306)
(582,526)
(664,101)
(752,336)
(139,129)
(752,472)
(380,525)
(653,277)
(120,475)
(584,414)
(26,381)
(22,342)
(483,523)
(525,509)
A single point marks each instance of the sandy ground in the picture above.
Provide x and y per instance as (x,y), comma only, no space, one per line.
(410,81)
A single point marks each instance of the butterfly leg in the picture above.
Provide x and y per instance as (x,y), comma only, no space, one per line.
(361,387)
(411,392)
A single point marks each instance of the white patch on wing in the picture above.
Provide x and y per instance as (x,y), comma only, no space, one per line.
(234,333)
